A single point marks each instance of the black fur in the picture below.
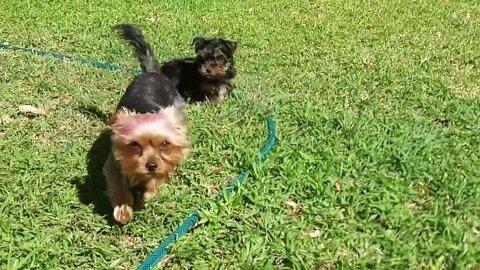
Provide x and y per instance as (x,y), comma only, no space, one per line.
(191,76)
(134,37)
(151,90)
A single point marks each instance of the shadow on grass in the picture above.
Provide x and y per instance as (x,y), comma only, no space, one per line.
(92,111)
(91,189)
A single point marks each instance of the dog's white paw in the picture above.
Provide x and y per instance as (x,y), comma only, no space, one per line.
(123,213)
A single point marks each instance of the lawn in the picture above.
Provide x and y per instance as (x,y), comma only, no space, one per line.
(377,105)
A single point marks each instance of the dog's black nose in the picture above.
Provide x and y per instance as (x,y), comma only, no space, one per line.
(151,166)
(208,70)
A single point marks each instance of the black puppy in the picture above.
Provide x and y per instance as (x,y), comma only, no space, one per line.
(149,132)
(207,77)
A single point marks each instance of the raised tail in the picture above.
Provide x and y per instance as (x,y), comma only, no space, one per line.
(134,36)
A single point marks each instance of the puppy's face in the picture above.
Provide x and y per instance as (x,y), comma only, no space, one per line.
(216,57)
(149,145)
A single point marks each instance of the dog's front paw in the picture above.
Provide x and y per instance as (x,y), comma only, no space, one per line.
(123,213)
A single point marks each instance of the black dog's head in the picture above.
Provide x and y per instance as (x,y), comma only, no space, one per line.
(216,57)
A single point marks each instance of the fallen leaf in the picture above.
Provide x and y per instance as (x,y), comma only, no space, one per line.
(423,189)
(343,252)
(338,185)
(30,110)
(152,19)
(130,241)
(165,260)
(224,231)
(212,190)
(44,138)
(206,19)
(313,234)
(439,35)
(425,59)
(295,206)
(5,119)
(412,205)
(170,205)
(442,120)
(366,60)
(466,20)
(215,169)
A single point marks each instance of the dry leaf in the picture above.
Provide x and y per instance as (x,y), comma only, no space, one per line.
(412,205)
(338,185)
(425,59)
(130,241)
(295,206)
(165,260)
(439,35)
(212,190)
(367,58)
(442,120)
(30,110)
(152,19)
(314,234)
(423,189)
(170,205)
(5,119)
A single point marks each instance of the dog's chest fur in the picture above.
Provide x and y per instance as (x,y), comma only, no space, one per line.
(140,180)
(216,90)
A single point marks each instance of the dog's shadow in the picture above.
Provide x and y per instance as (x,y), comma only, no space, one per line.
(91,188)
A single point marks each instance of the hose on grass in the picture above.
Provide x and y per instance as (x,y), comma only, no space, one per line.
(161,251)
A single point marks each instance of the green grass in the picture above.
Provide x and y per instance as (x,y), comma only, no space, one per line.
(377,105)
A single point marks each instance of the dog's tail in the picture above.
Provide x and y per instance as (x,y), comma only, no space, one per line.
(134,36)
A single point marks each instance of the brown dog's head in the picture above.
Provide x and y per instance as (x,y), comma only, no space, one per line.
(149,145)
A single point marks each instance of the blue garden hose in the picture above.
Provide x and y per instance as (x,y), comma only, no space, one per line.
(62,56)
(161,250)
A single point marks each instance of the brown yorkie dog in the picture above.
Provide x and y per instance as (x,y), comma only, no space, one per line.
(149,132)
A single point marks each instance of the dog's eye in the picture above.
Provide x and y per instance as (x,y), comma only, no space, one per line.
(218,57)
(135,146)
(164,145)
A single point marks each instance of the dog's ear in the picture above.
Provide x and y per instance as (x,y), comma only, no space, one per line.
(174,115)
(111,119)
(231,45)
(199,43)
(121,113)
